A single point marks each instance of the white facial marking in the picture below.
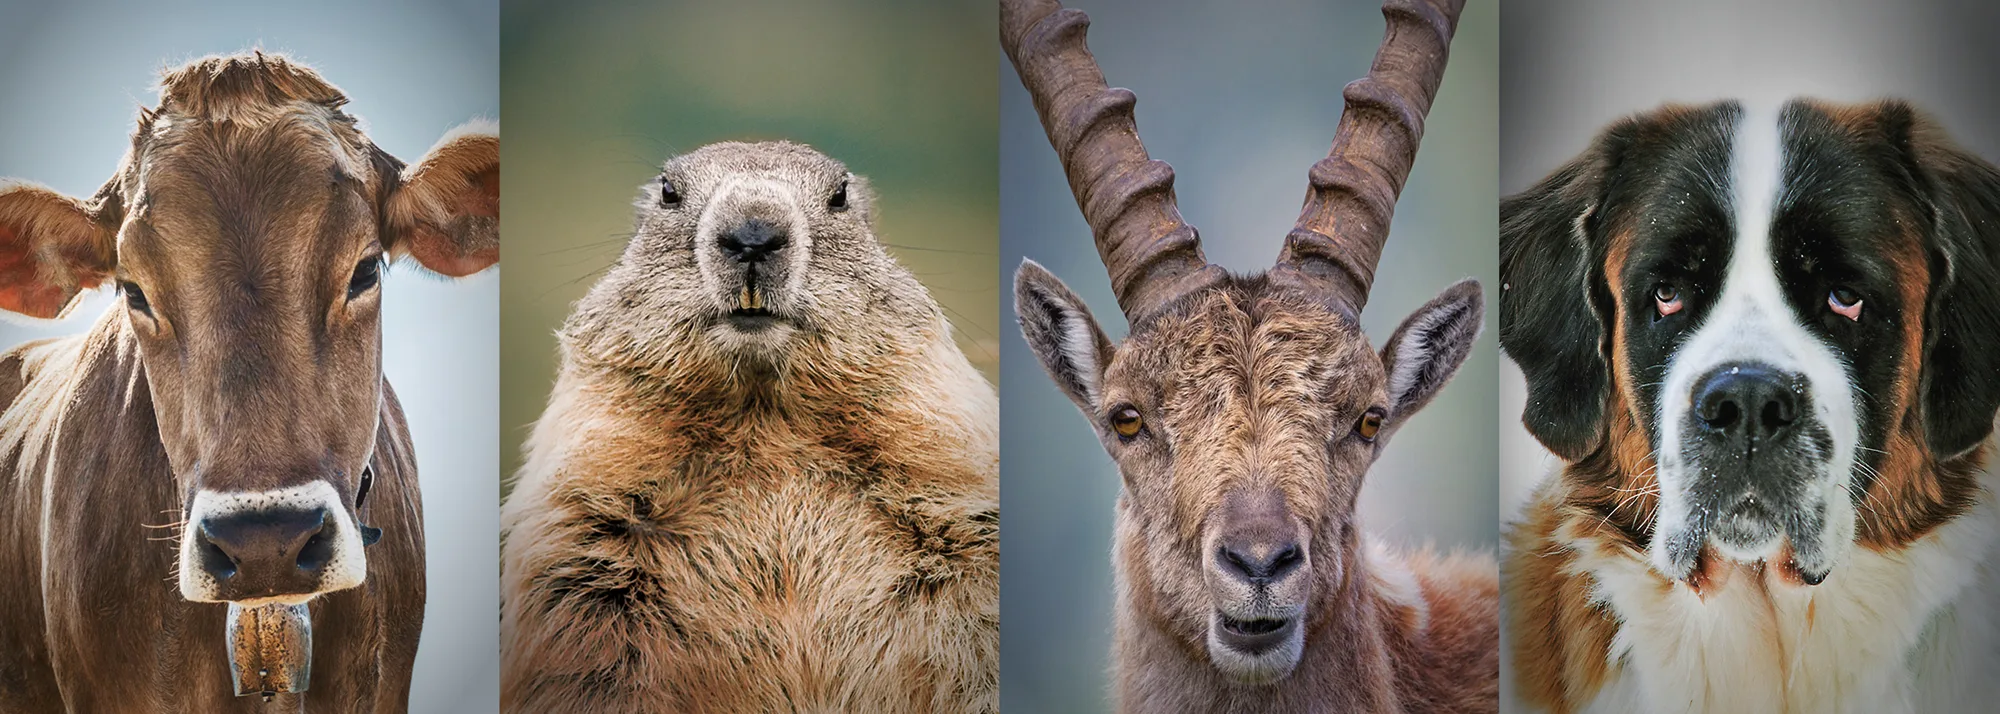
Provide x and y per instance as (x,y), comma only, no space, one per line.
(1752,322)
(346,569)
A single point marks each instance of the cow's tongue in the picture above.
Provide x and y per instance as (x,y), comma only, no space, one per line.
(270,648)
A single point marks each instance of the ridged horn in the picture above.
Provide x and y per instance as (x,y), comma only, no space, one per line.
(1126,197)
(1339,236)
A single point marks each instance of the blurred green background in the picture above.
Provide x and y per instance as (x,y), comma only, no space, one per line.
(596,95)
(1241,98)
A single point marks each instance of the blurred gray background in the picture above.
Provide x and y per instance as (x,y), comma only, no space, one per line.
(1241,98)
(599,94)
(73,75)
(1570,68)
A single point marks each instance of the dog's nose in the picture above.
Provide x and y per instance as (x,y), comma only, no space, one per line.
(752,241)
(265,552)
(1748,400)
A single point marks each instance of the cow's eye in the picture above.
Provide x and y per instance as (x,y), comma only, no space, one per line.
(367,274)
(135,298)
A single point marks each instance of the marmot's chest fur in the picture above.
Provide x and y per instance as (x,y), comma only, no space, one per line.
(789,572)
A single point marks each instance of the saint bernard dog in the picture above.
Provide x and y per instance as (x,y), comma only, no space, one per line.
(1765,340)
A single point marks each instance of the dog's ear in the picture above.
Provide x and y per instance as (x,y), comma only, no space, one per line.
(1960,380)
(1550,291)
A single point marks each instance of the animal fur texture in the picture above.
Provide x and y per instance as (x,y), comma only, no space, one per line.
(770,488)
(1244,583)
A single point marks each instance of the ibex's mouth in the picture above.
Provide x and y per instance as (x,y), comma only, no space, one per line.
(1254,636)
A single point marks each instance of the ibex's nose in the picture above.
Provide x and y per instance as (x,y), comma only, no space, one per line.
(264,553)
(1258,544)
(752,241)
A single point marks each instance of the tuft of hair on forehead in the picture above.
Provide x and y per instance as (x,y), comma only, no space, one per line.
(242,86)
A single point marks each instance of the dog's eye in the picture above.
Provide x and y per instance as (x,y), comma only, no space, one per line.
(135,298)
(367,274)
(669,196)
(1667,299)
(1844,302)
(838,202)
(1127,423)
(1369,425)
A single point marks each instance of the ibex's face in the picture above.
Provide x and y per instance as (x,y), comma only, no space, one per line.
(246,234)
(1242,419)
(750,251)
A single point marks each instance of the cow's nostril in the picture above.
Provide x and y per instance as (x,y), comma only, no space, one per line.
(212,558)
(317,551)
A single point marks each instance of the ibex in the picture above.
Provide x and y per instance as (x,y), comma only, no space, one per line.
(233,396)
(1243,411)
(767,479)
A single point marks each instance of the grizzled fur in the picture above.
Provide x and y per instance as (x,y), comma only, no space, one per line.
(1251,395)
(797,516)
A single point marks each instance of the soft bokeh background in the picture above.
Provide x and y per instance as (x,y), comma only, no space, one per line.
(73,75)
(1241,98)
(598,95)
(1570,68)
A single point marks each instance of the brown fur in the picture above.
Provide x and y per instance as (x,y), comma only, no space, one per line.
(241,211)
(1250,392)
(704,530)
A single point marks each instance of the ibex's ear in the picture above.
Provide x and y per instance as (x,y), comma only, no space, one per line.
(51,248)
(446,212)
(1549,322)
(1430,346)
(1062,333)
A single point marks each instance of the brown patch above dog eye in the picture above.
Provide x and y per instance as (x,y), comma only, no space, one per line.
(1127,422)
(1369,425)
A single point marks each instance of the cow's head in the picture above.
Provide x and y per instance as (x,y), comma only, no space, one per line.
(246,233)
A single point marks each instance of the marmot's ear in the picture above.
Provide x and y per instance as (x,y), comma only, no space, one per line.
(52,247)
(445,209)
(1064,336)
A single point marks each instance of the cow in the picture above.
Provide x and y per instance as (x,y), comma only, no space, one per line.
(189,490)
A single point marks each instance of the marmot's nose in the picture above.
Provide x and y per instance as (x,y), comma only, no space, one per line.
(752,241)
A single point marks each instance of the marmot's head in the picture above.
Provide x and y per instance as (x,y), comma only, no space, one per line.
(754,255)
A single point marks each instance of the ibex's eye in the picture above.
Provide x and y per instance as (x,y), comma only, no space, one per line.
(669,196)
(839,200)
(1127,422)
(135,298)
(367,274)
(1369,425)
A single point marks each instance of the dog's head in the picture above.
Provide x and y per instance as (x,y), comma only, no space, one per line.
(1761,332)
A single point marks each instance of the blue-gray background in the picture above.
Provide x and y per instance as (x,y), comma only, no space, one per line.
(73,74)
(1241,98)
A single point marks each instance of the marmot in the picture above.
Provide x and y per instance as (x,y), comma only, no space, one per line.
(767,480)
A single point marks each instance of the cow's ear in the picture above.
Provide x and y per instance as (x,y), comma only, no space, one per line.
(52,247)
(1960,383)
(445,212)
(1552,323)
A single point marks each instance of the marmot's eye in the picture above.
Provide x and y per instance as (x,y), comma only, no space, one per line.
(135,298)
(1127,423)
(839,200)
(669,196)
(1845,302)
(1667,299)
(1369,425)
